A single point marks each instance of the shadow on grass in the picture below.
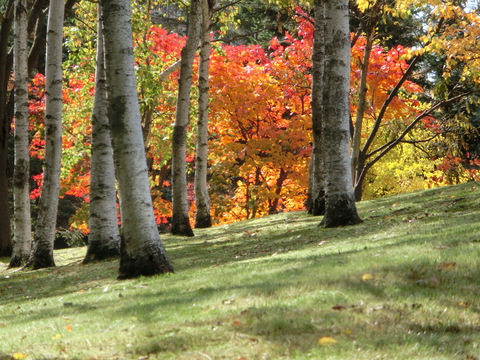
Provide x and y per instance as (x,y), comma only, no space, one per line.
(400,305)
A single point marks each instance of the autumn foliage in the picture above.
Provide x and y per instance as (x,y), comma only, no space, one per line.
(260,122)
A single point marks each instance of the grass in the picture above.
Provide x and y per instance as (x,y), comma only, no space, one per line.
(402,285)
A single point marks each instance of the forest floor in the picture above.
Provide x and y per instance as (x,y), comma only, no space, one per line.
(404,284)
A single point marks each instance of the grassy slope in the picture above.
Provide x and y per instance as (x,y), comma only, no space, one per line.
(402,285)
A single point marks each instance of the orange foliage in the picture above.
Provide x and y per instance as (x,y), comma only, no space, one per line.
(260,125)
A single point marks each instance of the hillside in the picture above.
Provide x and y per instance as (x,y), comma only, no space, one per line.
(402,285)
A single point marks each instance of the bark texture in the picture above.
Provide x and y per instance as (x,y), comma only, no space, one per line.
(35,23)
(180,221)
(340,206)
(5,119)
(141,251)
(203,218)
(316,193)
(42,252)
(104,237)
(21,190)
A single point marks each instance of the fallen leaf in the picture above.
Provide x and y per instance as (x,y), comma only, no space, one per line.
(446,265)
(367,277)
(236,322)
(327,340)
(58,336)
(322,243)
(68,327)
(463,304)
(19,356)
(338,307)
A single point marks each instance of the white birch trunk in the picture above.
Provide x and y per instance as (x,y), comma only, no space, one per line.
(340,202)
(5,26)
(21,191)
(42,254)
(203,218)
(180,220)
(141,251)
(316,201)
(104,237)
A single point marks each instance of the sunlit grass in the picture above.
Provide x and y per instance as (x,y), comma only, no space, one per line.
(402,285)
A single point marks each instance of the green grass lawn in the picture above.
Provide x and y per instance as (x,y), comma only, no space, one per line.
(405,284)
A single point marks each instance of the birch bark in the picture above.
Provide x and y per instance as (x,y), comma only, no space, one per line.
(21,191)
(42,252)
(141,251)
(316,194)
(340,208)
(203,218)
(6,21)
(180,220)
(104,237)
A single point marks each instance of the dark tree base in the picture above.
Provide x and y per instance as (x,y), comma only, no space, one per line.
(182,228)
(40,260)
(147,262)
(340,210)
(203,222)
(317,207)
(97,251)
(17,261)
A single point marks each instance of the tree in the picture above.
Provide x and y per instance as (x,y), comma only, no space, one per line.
(369,25)
(141,251)
(203,218)
(104,238)
(180,220)
(5,118)
(42,251)
(340,206)
(22,220)
(316,188)
(260,127)
(36,32)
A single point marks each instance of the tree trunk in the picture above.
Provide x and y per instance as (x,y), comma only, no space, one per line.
(180,221)
(42,253)
(316,194)
(340,206)
(104,237)
(203,218)
(21,190)
(5,236)
(362,102)
(6,102)
(141,251)
(273,206)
